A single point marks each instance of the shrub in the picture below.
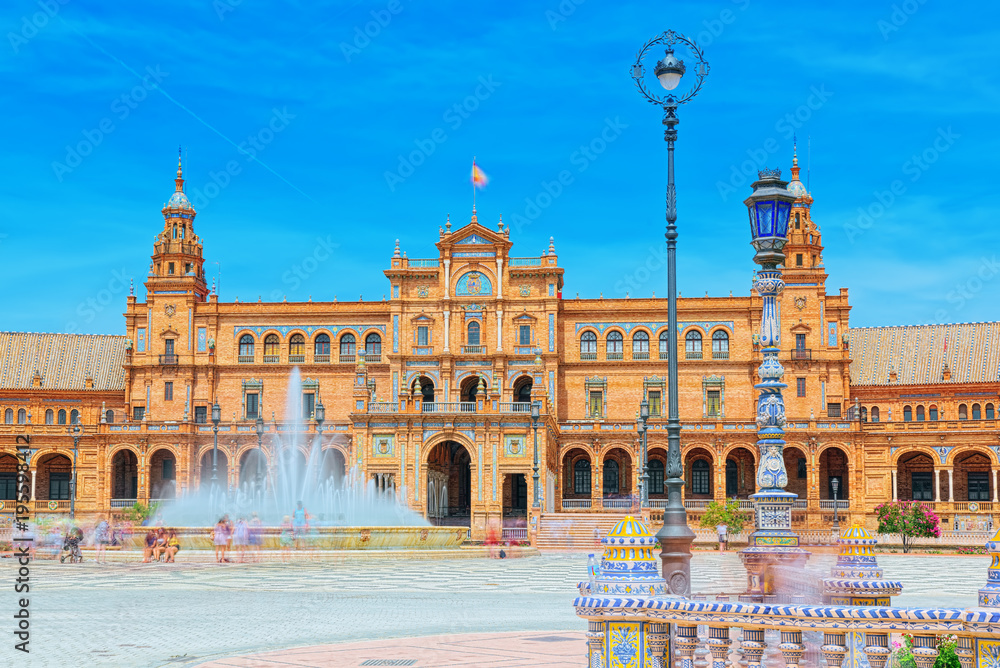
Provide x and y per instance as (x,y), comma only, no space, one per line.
(727,513)
(909,519)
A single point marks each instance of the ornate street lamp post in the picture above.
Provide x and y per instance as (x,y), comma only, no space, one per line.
(835,484)
(644,481)
(773,541)
(75,430)
(259,428)
(675,536)
(536,411)
(216,418)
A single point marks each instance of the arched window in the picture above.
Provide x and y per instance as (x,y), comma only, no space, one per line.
(615,345)
(874,413)
(22,416)
(297,348)
(798,221)
(8,416)
(907,414)
(347,342)
(864,414)
(990,414)
(692,345)
(611,479)
(473,334)
(976,412)
(272,348)
(62,417)
(963,412)
(933,413)
(655,476)
(321,348)
(50,417)
(920,414)
(588,346)
(664,345)
(74,416)
(640,346)
(720,345)
(701,477)
(373,346)
(109,416)
(581,477)
(246,347)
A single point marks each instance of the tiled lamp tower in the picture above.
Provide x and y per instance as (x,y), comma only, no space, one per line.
(773,542)
(989,596)
(629,568)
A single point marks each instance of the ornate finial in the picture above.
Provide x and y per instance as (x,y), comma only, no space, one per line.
(552,245)
(447,225)
(769,173)
(482,386)
(396,252)
(179,181)
(474,218)
(213,285)
(500,226)
(131,288)
(795,151)
(179,173)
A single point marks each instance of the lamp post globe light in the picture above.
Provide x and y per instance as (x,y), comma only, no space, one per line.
(675,536)
(773,542)
(536,411)
(216,418)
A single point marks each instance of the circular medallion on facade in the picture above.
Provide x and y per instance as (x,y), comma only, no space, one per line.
(678,583)
(973,507)
(515,447)
(2,505)
(383,447)
(53,505)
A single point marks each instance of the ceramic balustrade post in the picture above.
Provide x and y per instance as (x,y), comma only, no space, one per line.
(753,647)
(965,653)
(792,648)
(718,645)
(877,649)
(925,651)
(834,649)
(657,638)
(595,645)
(686,642)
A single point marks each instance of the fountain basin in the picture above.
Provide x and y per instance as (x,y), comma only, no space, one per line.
(331,538)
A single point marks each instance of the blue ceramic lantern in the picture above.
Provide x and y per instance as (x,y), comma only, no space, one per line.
(769,207)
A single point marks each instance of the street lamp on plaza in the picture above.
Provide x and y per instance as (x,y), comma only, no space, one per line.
(643,422)
(675,535)
(536,411)
(835,484)
(75,430)
(216,418)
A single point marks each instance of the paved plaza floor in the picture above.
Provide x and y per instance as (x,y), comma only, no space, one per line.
(188,614)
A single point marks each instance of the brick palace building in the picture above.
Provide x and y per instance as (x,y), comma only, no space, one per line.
(428,392)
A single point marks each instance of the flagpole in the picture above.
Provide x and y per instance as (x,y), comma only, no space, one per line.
(473,184)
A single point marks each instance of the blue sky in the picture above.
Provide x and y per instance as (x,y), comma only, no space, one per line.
(893,95)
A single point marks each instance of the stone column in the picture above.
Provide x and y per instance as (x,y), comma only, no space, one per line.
(499,330)
(895,493)
(791,648)
(499,278)
(951,485)
(753,647)
(718,645)
(877,649)
(447,278)
(447,329)
(937,484)
(834,649)
(994,471)
(33,471)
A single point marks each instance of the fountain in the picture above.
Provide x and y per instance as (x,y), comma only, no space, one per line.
(344,511)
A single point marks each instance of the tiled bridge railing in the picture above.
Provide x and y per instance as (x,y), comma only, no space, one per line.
(635,631)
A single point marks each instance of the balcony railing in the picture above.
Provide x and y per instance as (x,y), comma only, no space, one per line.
(640,354)
(373,358)
(664,354)
(168,359)
(614,355)
(321,359)
(245,359)
(692,354)
(473,350)
(423,263)
(52,506)
(346,359)
(449,407)
(693,504)
(967,506)
(272,359)
(720,354)
(525,262)
(801,353)
(383,407)
(659,503)
(827,504)
(575,504)
(588,356)
(515,407)
(616,504)
(296,359)
(515,533)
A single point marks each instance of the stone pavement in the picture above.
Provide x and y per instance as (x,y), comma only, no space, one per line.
(184,614)
(494,650)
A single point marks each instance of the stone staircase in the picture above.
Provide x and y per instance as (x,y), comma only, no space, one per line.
(575,531)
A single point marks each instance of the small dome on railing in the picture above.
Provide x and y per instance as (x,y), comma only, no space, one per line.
(856,578)
(631,561)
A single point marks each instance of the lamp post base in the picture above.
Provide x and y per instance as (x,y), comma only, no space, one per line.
(675,537)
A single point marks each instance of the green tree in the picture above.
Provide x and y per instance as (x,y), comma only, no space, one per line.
(909,519)
(727,513)
(138,513)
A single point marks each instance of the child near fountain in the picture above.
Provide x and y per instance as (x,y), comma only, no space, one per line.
(286,538)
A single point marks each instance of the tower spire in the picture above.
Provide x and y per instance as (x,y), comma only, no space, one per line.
(179,181)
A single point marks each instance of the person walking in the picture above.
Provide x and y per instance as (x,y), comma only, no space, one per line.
(299,524)
(102,536)
(241,538)
(723,532)
(219,538)
(256,537)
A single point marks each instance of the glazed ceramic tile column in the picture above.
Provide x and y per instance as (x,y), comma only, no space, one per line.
(718,645)
(877,649)
(964,651)
(657,639)
(753,647)
(925,651)
(834,649)
(595,644)
(792,648)
(686,642)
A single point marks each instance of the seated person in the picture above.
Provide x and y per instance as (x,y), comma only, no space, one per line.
(173,546)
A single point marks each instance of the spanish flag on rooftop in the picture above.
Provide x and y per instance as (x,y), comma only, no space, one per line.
(479,178)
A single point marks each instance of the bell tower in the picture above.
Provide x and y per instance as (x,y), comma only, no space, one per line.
(177,265)
(804,250)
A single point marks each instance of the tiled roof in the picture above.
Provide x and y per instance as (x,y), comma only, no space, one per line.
(917,354)
(63,360)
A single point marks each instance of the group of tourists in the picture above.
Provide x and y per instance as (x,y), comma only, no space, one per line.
(245,536)
(160,545)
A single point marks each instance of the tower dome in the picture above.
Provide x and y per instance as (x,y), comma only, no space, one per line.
(178,200)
